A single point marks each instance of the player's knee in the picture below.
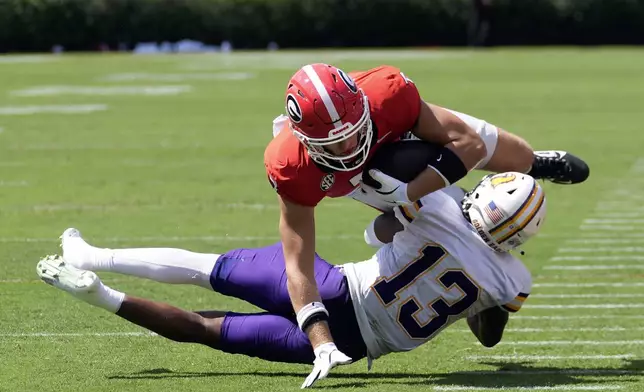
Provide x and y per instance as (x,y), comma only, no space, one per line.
(211,335)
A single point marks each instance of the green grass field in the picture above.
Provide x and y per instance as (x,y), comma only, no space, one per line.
(185,170)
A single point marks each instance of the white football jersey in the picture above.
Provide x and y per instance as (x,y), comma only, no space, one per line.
(435,272)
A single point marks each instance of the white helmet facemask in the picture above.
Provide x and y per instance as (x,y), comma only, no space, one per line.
(506,209)
(317,146)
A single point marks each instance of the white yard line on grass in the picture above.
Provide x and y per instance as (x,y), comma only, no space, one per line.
(54,109)
(29,59)
(178,77)
(598,258)
(568,277)
(606,387)
(547,357)
(148,334)
(604,249)
(614,221)
(105,207)
(596,267)
(13,183)
(606,295)
(610,215)
(289,61)
(569,372)
(612,228)
(604,241)
(579,317)
(573,343)
(539,330)
(75,334)
(46,91)
(586,306)
(178,238)
(589,284)
(636,235)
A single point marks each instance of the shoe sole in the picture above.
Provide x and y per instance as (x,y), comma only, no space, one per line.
(54,271)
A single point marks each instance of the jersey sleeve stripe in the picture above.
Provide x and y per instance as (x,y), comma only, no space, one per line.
(516,303)
(509,308)
(406,214)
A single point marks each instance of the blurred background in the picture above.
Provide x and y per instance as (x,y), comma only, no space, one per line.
(88,25)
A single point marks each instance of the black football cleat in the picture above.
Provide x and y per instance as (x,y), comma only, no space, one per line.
(559,167)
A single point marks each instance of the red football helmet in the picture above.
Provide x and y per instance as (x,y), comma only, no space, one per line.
(325,107)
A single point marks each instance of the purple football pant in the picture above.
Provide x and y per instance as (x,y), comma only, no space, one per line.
(258,276)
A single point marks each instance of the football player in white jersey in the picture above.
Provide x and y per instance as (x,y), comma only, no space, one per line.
(449,259)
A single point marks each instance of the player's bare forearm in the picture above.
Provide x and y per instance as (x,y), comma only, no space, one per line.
(438,125)
(488,325)
(297,230)
(425,183)
(512,153)
(302,291)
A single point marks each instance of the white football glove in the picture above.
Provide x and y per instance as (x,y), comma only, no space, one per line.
(391,190)
(327,356)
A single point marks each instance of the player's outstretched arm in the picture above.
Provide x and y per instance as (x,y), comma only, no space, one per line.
(488,325)
(297,229)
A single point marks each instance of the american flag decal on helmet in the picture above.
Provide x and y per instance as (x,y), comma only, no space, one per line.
(493,212)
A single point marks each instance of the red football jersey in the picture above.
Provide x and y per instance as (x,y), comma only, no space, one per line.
(394,103)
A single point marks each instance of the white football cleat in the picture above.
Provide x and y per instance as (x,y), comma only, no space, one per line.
(82,284)
(77,252)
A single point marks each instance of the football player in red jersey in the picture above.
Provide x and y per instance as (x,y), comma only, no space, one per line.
(335,123)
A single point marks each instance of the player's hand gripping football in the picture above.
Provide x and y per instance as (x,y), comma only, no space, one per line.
(327,356)
(390,190)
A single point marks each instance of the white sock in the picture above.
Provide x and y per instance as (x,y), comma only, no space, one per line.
(165,265)
(106,298)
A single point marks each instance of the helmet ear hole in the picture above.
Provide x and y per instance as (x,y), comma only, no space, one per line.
(512,191)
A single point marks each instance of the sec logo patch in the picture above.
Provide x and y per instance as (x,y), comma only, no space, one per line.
(327,182)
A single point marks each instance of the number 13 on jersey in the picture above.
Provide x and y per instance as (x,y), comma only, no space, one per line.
(389,291)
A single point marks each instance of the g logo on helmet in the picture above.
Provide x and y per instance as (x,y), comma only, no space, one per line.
(293,109)
(348,81)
